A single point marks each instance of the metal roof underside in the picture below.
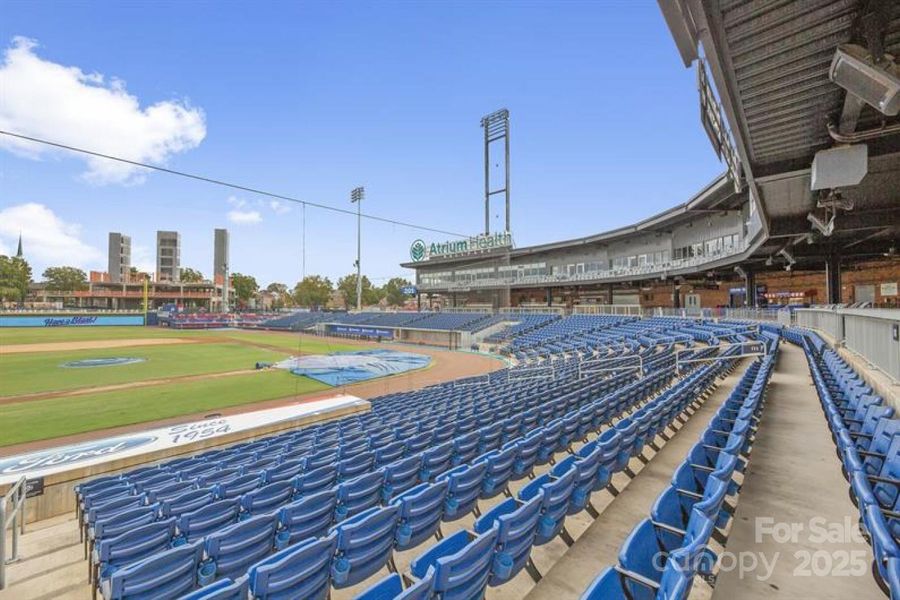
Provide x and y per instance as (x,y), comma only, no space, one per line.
(779,52)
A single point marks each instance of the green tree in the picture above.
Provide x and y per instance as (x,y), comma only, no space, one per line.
(189,275)
(392,291)
(65,279)
(347,287)
(15,275)
(282,295)
(244,286)
(314,290)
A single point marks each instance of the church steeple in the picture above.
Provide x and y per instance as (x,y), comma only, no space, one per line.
(19,250)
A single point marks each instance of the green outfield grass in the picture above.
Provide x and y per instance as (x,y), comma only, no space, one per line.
(222,351)
(42,419)
(11,336)
(46,335)
(35,372)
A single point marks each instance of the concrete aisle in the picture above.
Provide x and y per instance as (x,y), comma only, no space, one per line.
(794,476)
(598,546)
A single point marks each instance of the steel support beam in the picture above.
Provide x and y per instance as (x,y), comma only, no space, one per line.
(833,278)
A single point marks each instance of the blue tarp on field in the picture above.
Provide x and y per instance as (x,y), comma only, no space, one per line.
(344,368)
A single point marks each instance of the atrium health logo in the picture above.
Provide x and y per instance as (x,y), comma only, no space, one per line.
(417,250)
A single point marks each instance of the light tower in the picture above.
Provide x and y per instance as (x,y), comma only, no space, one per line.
(356,197)
(496,127)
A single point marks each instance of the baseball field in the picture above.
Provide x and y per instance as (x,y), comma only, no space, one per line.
(44,393)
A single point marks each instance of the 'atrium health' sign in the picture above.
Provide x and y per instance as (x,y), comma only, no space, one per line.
(483,242)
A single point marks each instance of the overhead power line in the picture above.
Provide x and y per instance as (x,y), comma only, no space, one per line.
(227,184)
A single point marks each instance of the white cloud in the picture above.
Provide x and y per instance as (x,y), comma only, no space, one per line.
(64,104)
(242,212)
(279,207)
(244,217)
(47,240)
(142,258)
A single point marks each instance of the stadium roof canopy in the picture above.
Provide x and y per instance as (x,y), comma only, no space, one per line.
(769,62)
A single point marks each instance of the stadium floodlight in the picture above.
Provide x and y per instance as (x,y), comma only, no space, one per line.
(356,197)
(875,83)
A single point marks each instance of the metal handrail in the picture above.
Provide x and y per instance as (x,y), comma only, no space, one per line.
(15,496)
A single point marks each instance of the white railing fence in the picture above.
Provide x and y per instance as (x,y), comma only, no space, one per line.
(12,516)
(872,333)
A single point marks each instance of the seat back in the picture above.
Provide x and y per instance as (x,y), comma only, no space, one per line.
(311,516)
(463,490)
(198,523)
(358,494)
(224,589)
(464,574)
(420,512)
(168,574)
(230,551)
(365,542)
(299,571)
(135,545)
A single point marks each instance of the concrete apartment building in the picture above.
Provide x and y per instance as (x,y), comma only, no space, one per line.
(168,256)
(119,261)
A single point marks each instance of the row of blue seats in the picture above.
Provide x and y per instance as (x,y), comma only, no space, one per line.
(165,480)
(550,437)
(663,553)
(867,441)
(121,514)
(499,545)
(399,475)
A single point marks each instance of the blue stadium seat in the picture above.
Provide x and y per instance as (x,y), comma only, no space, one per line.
(167,574)
(224,589)
(556,494)
(420,512)
(459,565)
(299,571)
(463,490)
(311,516)
(400,476)
(199,523)
(358,494)
(130,547)
(516,524)
(266,498)
(365,543)
(313,482)
(230,551)
(391,588)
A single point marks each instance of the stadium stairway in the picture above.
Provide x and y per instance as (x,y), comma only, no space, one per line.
(793,477)
(598,541)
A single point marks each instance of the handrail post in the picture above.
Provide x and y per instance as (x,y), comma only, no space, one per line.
(2,543)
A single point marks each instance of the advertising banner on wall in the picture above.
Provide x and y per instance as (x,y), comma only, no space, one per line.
(63,458)
(387,334)
(63,320)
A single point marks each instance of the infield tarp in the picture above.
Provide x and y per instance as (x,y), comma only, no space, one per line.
(344,368)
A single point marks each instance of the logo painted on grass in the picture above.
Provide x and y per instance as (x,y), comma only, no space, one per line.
(417,250)
(101,362)
(72,455)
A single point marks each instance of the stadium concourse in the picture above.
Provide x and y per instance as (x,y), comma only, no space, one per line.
(620,458)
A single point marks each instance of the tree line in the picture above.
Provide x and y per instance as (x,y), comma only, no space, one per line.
(312,291)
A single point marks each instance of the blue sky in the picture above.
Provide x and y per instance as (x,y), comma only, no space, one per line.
(314,98)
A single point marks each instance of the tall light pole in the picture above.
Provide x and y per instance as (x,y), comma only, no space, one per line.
(356,197)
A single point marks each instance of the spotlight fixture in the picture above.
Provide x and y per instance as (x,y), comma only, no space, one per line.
(740,271)
(877,84)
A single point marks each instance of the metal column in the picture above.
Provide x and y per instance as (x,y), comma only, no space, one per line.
(833,278)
